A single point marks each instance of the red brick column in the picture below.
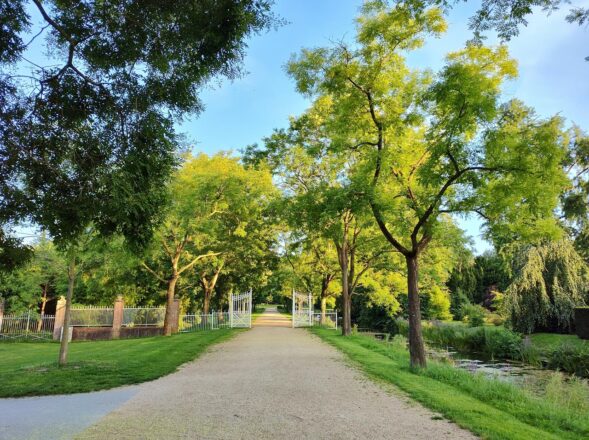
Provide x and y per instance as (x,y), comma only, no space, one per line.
(1,312)
(59,318)
(117,320)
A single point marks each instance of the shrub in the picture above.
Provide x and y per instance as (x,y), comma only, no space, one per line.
(496,342)
(502,343)
(473,314)
(494,319)
(570,359)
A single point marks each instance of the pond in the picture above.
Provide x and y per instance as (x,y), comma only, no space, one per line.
(517,373)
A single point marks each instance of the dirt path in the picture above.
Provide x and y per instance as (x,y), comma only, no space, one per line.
(270,383)
(271,318)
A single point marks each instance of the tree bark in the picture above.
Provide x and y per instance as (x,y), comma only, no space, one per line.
(71,275)
(208,288)
(43,304)
(346,297)
(416,346)
(325,280)
(207,301)
(170,294)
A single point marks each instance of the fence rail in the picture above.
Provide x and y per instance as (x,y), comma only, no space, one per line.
(209,321)
(91,316)
(143,316)
(327,319)
(26,326)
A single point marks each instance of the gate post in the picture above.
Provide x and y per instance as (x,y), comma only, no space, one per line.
(310,310)
(1,312)
(117,319)
(231,310)
(293,309)
(250,308)
(59,317)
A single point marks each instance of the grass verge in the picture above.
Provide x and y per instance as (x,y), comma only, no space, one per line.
(551,341)
(30,369)
(491,409)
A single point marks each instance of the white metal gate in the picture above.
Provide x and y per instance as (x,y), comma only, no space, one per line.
(302,309)
(240,310)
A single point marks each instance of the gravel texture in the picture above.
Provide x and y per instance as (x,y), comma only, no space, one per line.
(57,417)
(271,382)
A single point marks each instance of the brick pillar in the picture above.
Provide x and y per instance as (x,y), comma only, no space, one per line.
(175,315)
(59,318)
(117,319)
(1,312)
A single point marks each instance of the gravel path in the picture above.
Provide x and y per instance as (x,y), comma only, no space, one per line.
(58,417)
(268,383)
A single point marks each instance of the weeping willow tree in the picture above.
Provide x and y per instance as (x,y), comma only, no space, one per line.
(550,281)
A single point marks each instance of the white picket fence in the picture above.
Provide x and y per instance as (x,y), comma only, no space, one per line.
(28,325)
(209,321)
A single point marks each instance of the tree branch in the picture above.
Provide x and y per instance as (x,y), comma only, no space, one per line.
(197,259)
(153,272)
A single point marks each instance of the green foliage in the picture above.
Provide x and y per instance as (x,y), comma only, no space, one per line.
(217,231)
(46,271)
(473,315)
(88,138)
(495,342)
(507,17)
(569,358)
(420,146)
(550,281)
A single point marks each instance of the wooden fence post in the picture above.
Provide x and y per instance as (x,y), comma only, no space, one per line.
(117,319)
(59,318)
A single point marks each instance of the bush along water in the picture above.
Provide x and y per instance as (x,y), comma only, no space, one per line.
(494,342)
(502,343)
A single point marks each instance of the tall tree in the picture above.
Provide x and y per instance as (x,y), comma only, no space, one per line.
(215,213)
(550,280)
(321,204)
(87,136)
(575,199)
(37,282)
(428,145)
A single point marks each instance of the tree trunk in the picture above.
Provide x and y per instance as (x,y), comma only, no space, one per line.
(71,275)
(207,303)
(416,347)
(43,304)
(346,297)
(171,293)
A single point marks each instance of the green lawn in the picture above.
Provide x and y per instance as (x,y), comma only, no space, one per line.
(488,408)
(28,369)
(550,341)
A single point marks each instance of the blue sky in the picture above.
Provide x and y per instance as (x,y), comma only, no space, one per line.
(554,77)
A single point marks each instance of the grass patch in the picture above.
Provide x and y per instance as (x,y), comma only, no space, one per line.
(488,408)
(30,369)
(551,341)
